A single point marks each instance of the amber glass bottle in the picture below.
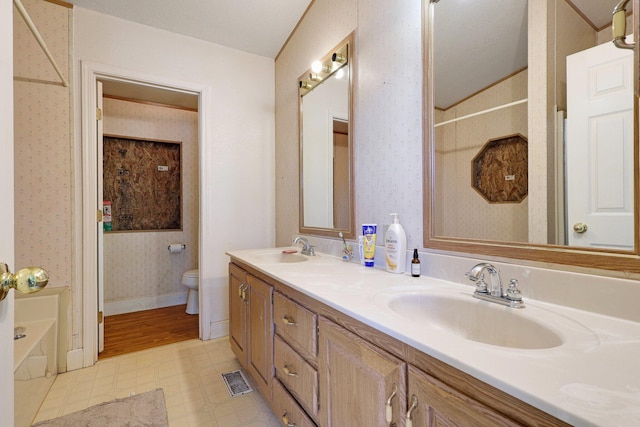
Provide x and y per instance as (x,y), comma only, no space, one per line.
(415,264)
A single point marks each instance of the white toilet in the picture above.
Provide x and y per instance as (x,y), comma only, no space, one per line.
(190,280)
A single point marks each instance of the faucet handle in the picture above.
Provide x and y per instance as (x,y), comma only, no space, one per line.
(513,293)
(481,285)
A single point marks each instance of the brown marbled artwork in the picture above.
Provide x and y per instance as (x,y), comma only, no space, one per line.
(143,198)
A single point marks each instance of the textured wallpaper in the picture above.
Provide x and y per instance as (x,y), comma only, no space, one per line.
(42,123)
(137,264)
(387,118)
(462,211)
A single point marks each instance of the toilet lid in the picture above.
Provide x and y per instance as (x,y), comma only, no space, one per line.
(191,273)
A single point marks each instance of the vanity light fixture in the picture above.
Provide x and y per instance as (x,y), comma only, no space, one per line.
(305,85)
(319,67)
(324,68)
(316,66)
(339,58)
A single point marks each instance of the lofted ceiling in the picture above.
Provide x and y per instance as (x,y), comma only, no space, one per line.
(262,28)
(490,42)
(255,26)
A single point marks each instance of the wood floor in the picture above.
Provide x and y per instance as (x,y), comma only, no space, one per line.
(129,332)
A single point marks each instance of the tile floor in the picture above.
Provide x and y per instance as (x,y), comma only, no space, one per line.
(189,372)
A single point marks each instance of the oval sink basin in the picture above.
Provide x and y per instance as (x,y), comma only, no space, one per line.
(279,256)
(466,317)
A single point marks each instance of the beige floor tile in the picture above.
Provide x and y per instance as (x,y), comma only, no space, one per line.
(189,374)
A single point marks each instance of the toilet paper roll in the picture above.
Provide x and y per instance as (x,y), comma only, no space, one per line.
(176,247)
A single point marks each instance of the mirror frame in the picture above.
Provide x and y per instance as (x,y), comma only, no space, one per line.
(349,232)
(625,261)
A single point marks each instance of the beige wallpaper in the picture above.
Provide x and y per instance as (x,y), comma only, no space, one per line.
(462,212)
(42,122)
(387,109)
(138,265)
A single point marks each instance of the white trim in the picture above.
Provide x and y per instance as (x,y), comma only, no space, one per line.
(90,73)
(148,303)
(219,329)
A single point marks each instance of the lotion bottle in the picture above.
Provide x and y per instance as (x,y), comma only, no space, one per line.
(395,245)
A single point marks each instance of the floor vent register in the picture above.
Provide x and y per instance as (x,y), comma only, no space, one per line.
(236,383)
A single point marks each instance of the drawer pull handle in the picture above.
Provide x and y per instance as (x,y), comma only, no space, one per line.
(288,321)
(389,408)
(409,417)
(286,422)
(287,371)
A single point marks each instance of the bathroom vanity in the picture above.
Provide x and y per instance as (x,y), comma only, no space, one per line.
(331,343)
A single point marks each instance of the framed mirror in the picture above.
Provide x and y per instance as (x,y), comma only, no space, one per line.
(518,163)
(326,144)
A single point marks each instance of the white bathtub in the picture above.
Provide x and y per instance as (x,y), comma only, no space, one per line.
(35,355)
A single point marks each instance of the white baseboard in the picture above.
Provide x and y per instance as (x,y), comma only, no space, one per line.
(219,329)
(139,304)
(75,359)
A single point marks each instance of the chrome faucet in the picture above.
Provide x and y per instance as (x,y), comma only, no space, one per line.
(494,292)
(307,249)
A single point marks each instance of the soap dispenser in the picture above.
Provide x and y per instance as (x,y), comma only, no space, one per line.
(395,245)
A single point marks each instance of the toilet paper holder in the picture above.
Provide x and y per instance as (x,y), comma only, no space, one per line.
(176,247)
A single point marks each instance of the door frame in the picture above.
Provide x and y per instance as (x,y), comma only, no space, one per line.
(88,240)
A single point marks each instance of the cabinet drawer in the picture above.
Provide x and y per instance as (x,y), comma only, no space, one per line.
(296,325)
(286,408)
(300,378)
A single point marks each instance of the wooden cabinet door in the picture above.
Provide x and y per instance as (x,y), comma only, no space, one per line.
(260,316)
(357,379)
(238,313)
(438,405)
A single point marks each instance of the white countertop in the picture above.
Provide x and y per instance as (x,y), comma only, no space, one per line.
(592,379)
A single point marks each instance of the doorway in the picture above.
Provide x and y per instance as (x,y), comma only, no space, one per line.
(88,264)
(150,170)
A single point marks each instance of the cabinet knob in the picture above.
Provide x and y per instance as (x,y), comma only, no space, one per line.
(288,371)
(288,321)
(286,422)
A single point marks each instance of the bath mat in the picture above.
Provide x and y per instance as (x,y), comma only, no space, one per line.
(140,410)
(236,383)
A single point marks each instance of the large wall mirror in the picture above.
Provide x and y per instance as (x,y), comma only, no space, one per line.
(531,145)
(326,144)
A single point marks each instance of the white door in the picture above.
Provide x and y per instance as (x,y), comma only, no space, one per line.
(100,230)
(599,148)
(6,206)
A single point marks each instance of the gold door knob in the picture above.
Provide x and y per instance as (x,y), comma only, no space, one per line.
(580,227)
(26,280)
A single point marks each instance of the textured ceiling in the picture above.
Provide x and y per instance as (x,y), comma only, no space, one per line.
(254,26)
(490,42)
(262,28)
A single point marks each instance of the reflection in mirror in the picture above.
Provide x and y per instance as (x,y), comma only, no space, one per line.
(326,190)
(506,73)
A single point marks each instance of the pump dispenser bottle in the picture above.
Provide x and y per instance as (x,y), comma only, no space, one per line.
(395,244)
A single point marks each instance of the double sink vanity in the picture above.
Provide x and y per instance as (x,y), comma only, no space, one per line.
(333,343)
